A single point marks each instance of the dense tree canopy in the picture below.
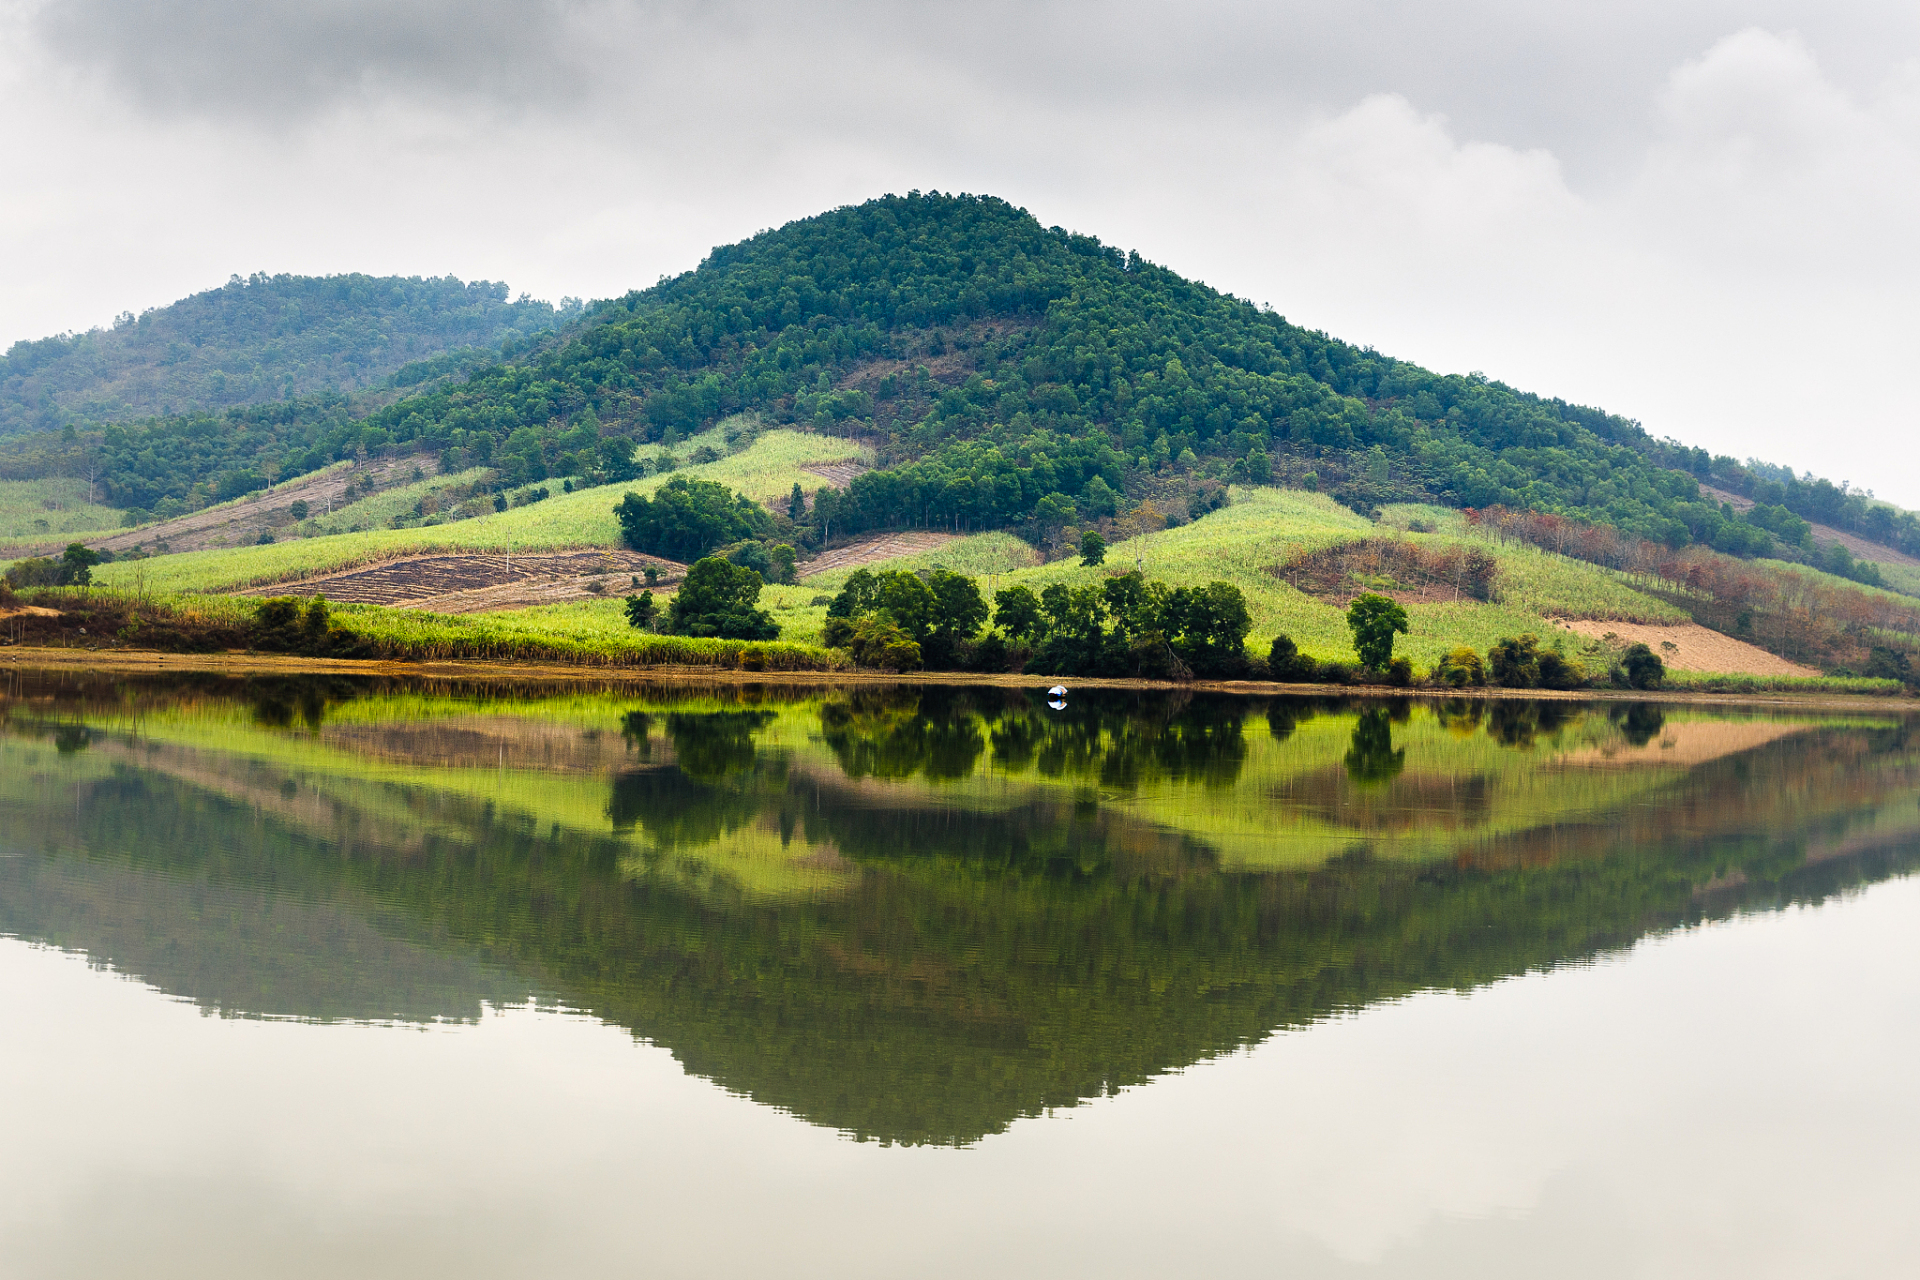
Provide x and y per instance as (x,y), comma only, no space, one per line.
(263,338)
(718,599)
(688,518)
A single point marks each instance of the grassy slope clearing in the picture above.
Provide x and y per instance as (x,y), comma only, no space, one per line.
(39,509)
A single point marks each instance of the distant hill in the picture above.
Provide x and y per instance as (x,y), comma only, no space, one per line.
(257,339)
(1009,375)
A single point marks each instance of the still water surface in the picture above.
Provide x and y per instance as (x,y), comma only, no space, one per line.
(321,977)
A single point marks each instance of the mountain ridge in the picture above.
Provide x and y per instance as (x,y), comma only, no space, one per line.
(256,338)
(1009,375)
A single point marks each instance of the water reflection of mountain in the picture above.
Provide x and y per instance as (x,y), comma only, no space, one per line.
(975,952)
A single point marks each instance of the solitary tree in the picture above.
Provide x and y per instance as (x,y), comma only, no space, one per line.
(717,599)
(76,565)
(1374,620)
(640,610)
(1643,667)
(1093,548)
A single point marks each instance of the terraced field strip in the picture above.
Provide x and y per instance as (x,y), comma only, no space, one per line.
(466,583)
(241,523)
(884,546)
(837,474)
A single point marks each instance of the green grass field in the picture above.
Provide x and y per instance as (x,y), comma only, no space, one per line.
(35,510)
(1895,575)
(769,466)
(1903,578)
(1265,527)
(591,632)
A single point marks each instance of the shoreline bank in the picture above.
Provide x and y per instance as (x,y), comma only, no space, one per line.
(155,662)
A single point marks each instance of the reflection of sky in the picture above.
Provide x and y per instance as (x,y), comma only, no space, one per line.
(1730,1100)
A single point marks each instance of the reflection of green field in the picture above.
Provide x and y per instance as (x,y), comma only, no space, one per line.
(1279,784)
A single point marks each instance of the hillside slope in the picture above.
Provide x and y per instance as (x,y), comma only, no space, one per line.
(251,340)
(1008,375)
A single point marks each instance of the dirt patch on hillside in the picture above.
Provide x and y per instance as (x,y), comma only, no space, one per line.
(241,523)
(1688,646)
(1858,547)
(469,583)
(884,546)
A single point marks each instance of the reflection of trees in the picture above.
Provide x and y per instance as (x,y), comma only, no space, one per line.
(279,703)
(1639,722)
(1516,723)
(1372,760)
(714,744)
(1113,743)
(719,783)
(1460,717)
(887,735)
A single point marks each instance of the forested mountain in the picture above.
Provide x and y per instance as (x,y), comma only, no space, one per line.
(259,339)
(1010,375)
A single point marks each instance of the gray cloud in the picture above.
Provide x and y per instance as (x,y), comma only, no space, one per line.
(1577,80)
(274,59)
(1696,212)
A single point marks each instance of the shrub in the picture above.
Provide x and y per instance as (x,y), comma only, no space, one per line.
(74,568)
(1288,665)
(880,643)
(285,624)
(1520,663)
(1642,667)
(1884,662)
(1514,663)
(1460,667)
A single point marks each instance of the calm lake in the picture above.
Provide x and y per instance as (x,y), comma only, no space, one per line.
(331,977)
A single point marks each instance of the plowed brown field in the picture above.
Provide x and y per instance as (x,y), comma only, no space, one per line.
(458,583)
(837,474)
(883,546)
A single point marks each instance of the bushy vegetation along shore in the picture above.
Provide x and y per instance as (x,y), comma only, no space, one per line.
(95,619)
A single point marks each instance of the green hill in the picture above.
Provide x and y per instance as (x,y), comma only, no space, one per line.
(1009,374)
(262,338)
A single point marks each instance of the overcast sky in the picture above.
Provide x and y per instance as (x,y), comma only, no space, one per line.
(1701,214)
